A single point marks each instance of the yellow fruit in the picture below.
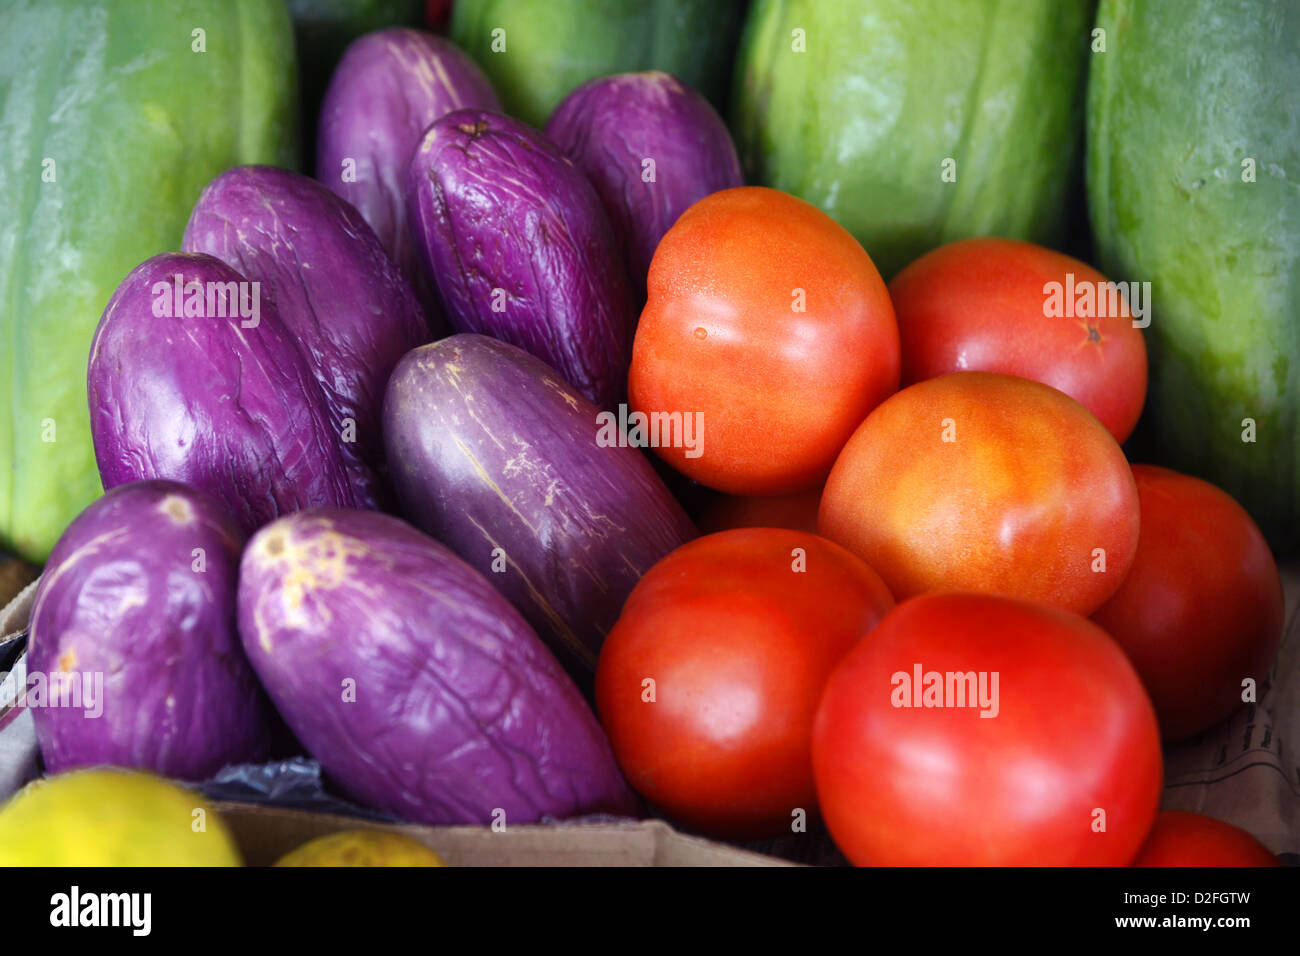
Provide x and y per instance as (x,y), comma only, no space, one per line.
(361,848)
(110,817)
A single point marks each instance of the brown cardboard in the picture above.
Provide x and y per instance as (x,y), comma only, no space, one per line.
(264,834)
(14,614)
(14,576)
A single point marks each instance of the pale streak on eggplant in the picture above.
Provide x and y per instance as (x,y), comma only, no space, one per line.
(562,629)
(487,479)
(87,549)
(302,567)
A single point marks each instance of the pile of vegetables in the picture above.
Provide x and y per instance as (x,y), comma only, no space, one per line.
(405,464)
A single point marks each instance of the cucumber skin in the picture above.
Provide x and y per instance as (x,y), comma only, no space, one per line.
(1184,93)
(137,124)
(860,124)
(554,46)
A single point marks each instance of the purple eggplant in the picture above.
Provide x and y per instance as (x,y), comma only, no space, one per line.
(387,89)
(336,291)
(419,689)
(652,147)
(521,248)
(134,624)
(193,378)
(495,456)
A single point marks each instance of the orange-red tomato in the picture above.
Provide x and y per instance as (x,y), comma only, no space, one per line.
(708,683)
(797,511)
(989,305)
(767,317)
(1202,607)
(983,482)
(1191,839)
(1034,744)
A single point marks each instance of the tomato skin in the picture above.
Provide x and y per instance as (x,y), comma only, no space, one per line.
(979,304)
(1192,839)
(739,646)
(780,389)
(1015,504)
(1073,732)
(1202,607)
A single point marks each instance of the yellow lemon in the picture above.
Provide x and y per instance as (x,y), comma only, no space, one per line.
(111,817)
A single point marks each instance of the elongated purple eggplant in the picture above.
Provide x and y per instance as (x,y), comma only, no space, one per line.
(387,89)
(135,659)
(652,147)
(521,248)
(494,455)
(419,689)
(194,378)
(336,291)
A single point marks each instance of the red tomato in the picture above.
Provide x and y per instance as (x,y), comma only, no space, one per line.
(1071,743)
(437,13)
(738,643)
(1190,839)
(1202,607)
(988,305)
(797,511)
(768,318)
(984,482)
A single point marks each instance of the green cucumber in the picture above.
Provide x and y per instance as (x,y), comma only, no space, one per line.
(1189,103)
(114,115)
(536,52)
(916,122)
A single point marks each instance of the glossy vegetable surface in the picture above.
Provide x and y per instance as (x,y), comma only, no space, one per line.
(387,89)
(970,730)
(651,146)
(113,123)
(335,290)
(417,686)
(709,682)
(495,456)
(998,305)
(983,482)
(521,248)
(537,51)
(1201,610)
(186,384)
(916,122)
(1191,187)
(1192,839)
(768,319)
(133,642)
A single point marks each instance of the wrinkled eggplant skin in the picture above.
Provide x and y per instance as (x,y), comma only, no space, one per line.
(140,590)
(611,126)
(420,690)
(335,289)
(521,248)
(490,449)
(387,89)
(229,410)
